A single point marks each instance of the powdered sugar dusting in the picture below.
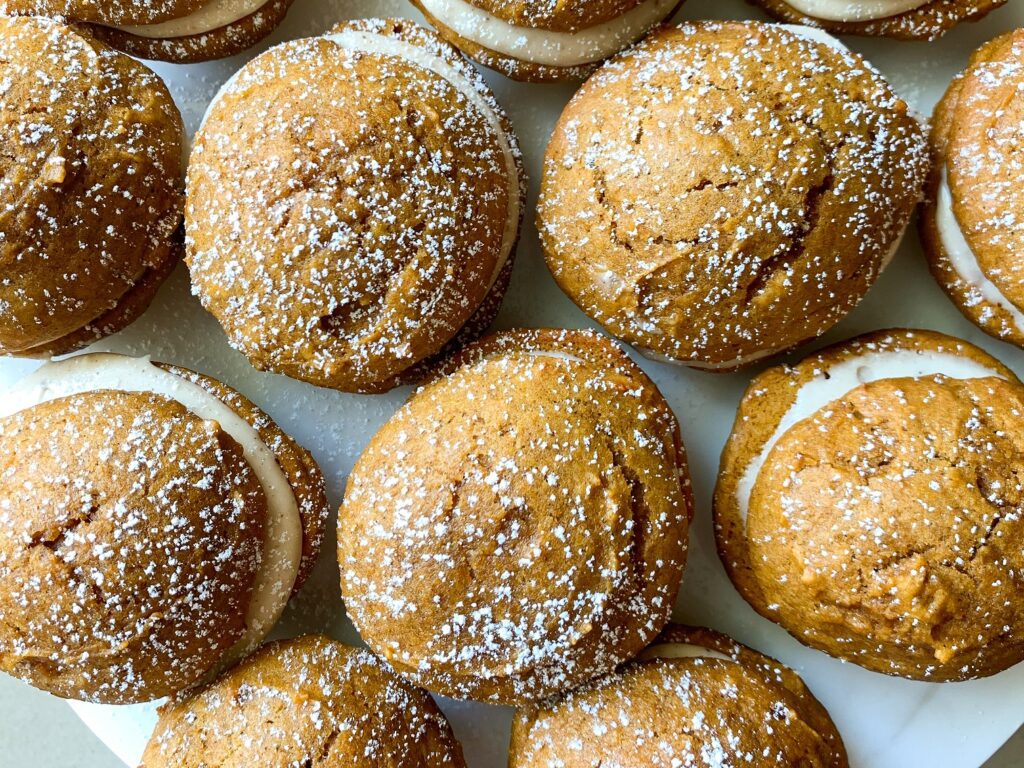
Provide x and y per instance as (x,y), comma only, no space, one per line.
(478,569)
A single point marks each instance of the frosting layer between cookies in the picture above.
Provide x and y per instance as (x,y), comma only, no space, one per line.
(962,258)
(855,10)
(282,545)
(834,382)
(541,46)
(210,16)
(681,651)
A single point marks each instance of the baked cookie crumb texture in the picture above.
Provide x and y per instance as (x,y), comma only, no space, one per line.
(354,201)
(535,534)
(726,190)
(869,501)
(170,557)
(116,511)
(694,697)
(304,702)
(90,186)
(900,19)
(970,225)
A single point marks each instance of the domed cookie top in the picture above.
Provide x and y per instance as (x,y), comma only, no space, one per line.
(869,502)
(902,19)
(544,41)
(171,30)
(308,701)
(520,525)
(90,187)
(971,226)
(725,191)
(694,697)
(155,525)
(354,200)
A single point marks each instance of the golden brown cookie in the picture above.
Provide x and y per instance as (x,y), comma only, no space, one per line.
(971,224)
(304,702)
(869,502)
(91,195)
(694,697)
(726,191)
(155,524)
(543,41)
(181,31)
(520,525)
(900,19)
(354,203)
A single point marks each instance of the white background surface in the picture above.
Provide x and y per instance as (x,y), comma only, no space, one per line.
(886,722)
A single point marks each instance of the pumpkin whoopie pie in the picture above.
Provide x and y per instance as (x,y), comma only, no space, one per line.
(154,525)
(727,190)
(694,697)
(870,502)
(541,41)
(900,19)
(354,203)
(520,525)
(181,31)
(91,189)
(304,702)
(972,224)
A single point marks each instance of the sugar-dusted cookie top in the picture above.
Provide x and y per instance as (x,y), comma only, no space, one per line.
(520,525)
(869,502)
(120,12)
(693,697)
(984,156)
(90,183)
(130,543)
(725,191)
(308,701)
(970,227)
(353,199)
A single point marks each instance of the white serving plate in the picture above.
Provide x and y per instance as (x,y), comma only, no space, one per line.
(886,722)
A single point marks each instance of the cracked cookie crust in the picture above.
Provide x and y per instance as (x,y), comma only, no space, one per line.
(694,697)
(726,191)
(310,702)
(870,502)
(155,524)
(354,203)
(91,192)
(536,532)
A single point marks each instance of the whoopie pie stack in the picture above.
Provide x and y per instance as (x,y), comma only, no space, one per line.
(715,194)
(180,31)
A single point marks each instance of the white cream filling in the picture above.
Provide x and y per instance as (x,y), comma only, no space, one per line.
(555,355)
(831,384)
(962,258)
(703,366)
(541,46)
(372,43)
(282,538)
(681,651)
(854,10)
(211,15)
(819,35)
